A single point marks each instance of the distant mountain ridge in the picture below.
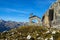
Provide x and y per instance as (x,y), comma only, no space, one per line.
(7,25)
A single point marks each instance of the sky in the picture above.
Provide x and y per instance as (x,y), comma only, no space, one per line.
(19,10)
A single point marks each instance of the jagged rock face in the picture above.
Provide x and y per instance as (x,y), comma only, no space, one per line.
(45,21)
(53,15)
(58,0)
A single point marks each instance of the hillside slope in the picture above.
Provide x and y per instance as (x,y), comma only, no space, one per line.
(35,32)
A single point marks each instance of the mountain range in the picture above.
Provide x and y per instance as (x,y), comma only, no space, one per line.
(7,25)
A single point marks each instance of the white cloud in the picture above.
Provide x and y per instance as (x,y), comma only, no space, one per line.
(13,10)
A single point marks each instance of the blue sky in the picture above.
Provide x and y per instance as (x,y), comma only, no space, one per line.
(19,10)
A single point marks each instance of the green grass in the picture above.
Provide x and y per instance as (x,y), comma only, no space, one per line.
(22,32)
